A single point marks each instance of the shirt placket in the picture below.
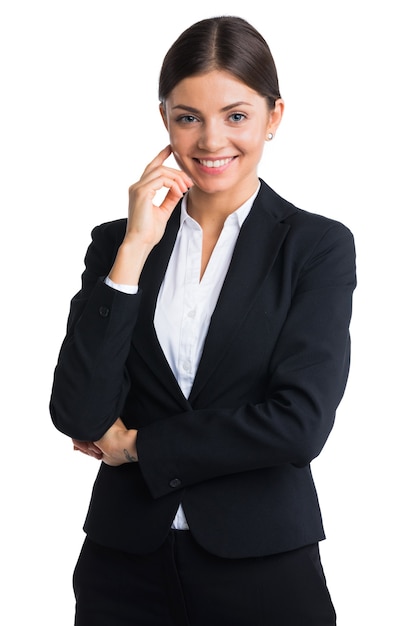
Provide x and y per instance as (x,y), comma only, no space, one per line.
(188,334)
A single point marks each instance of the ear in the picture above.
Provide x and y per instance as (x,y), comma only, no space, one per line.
(163,115)
(275,116)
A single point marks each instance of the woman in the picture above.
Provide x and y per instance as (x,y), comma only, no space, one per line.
(206,354)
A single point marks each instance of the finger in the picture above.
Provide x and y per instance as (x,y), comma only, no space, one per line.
(153,178)
(81,450)
(160,157)
(172,181)
(96,455)
(93,455)
(158,161)
(171,199)
(88,448)
(80,445)
(176,185)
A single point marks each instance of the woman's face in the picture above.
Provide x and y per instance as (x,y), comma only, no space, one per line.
(217,127)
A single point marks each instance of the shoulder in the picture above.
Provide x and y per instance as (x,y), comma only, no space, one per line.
(302,224)
(312,240)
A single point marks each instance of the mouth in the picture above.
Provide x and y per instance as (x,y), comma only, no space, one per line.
(214,166)
(215,163)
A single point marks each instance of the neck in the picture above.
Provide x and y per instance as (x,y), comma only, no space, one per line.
(211,210)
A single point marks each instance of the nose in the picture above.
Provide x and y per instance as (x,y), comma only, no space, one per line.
(212,137)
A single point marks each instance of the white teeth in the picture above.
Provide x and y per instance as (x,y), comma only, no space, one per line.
(217,163)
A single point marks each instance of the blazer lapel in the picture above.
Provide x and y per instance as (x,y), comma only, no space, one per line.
(257,247)
(144,339)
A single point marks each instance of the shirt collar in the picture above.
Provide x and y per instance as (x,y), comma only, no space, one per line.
(239,215)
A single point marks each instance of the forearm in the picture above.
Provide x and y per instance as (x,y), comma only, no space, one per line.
(286,412)
(90,381)
(205,444)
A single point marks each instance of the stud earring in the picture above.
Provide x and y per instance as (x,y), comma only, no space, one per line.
(269,136)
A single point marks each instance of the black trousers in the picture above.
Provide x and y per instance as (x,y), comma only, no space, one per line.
(183,585)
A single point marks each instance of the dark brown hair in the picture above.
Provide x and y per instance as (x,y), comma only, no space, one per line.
(221,43)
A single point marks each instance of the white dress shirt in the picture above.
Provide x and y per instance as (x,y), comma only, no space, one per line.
(185,303)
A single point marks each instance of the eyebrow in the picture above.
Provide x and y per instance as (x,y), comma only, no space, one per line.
(223,110)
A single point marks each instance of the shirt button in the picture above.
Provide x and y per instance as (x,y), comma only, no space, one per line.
(187,366)
(104,311)
(175,483)
(191,314)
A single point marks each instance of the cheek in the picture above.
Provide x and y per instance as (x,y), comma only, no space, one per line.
(181,146)
(175,146)
(176,155)
(253,138)
(177,143)
(179,160)
(254,149)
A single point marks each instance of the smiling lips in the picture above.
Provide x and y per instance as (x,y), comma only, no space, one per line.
(215,164)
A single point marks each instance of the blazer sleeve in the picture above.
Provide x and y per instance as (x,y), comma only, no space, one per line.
(90,379)
(307,376)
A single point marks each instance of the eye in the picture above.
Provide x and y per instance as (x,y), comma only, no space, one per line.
(237,117)
(187,119)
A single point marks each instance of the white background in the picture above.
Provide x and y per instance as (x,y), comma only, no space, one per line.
(79,121)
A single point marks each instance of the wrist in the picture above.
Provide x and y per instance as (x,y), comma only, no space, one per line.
(130,452)
(129,262)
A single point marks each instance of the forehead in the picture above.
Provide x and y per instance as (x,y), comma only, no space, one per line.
(215,89)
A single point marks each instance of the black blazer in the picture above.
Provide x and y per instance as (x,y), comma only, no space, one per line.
(237,452)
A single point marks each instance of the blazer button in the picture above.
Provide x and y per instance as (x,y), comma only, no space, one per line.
(175,483)
(104,311)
